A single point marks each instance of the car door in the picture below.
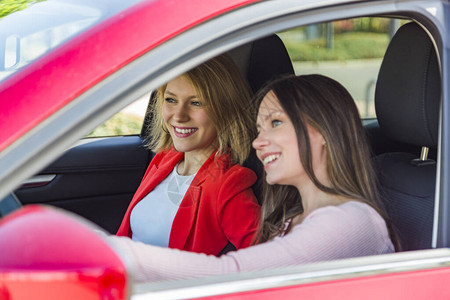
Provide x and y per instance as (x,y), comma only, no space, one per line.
(97,177)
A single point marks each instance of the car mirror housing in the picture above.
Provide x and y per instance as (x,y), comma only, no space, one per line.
(49,254)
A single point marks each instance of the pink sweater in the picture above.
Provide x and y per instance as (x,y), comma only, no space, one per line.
(333,232)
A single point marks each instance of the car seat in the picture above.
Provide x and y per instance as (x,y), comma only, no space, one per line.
(407,99)
(259,62)
(262,60)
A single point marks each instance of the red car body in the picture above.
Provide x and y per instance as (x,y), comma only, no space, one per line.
(55,262)
(79,267)
(92,56)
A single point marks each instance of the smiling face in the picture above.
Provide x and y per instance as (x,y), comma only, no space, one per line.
(277,145)
(186,118)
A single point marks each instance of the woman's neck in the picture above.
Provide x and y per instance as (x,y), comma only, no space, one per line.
(192,162)
(314,198)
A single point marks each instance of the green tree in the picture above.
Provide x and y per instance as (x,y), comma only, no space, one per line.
(9,6)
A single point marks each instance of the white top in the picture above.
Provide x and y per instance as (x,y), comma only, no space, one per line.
(151,219)
(348,230)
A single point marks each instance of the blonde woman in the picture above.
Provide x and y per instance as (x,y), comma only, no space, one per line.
(195,195)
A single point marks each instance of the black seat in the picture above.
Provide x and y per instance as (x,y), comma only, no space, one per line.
(407,99)
(259,62)
(262,60)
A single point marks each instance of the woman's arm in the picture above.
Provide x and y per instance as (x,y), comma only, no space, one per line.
(334,232)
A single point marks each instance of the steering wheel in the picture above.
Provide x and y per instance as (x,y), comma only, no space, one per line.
(9,204)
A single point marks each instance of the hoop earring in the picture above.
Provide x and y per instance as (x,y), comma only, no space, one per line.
(162,126)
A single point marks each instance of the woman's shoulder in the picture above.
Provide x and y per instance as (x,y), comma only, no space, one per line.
(353,224)
(351,210)
(352,217)
(347,230)
(230,177)
(223,164)
(238,173)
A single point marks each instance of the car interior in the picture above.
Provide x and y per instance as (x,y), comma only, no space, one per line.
(96,178)
(407,104)
(260,61)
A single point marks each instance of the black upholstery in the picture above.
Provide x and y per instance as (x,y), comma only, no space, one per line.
(407,102)
(409,83)
(260,61)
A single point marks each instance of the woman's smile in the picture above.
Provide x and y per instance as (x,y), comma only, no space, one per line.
(184,132)
(269,159)
(185,114)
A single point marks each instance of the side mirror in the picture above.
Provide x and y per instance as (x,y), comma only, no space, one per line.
(49,254)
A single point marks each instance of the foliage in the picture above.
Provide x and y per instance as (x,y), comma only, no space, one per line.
(9,6)
(378,25)
(349,45)
(120,124)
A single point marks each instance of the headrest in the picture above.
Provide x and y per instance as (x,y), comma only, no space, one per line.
(408,90)
(261,60)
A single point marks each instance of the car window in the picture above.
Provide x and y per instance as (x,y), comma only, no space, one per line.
(349,51)
(128,121)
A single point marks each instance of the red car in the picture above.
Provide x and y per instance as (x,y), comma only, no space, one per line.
(69,66)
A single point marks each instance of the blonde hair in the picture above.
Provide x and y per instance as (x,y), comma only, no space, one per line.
(218,83)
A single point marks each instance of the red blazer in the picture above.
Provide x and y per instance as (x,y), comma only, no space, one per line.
(219,206)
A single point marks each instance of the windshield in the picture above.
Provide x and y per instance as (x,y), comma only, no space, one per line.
(41,26)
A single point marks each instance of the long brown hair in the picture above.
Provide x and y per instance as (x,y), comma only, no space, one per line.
(227,95)
(326,105)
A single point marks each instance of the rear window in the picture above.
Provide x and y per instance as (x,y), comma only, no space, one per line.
(349,51)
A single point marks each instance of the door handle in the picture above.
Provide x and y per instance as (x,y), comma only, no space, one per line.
(38,180)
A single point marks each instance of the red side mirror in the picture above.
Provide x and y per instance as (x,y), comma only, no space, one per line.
(48,254)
